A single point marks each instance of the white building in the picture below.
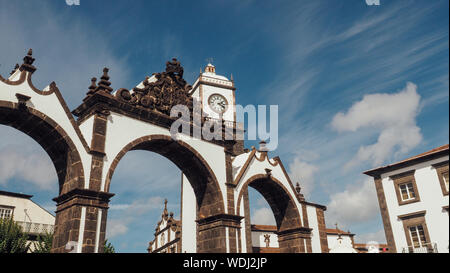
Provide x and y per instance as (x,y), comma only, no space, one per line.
(265,240)
(33,219)
(413,198)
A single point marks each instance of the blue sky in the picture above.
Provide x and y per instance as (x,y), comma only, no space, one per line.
(357,86)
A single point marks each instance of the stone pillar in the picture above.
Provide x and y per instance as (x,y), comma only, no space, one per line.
(98,147)
(293,240)
(212,232)
(80,216)
(248,226)
(306,224)
(385,215)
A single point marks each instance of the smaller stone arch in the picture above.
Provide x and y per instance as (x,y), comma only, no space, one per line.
(291,233)
(282,204)
(51,137)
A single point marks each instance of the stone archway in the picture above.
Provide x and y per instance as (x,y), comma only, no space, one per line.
(207,191)
(64,155)
(291,233)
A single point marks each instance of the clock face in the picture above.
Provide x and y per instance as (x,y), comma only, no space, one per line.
(218,103)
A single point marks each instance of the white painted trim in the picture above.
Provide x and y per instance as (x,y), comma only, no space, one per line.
(81,230)
(97,233)
(227,240)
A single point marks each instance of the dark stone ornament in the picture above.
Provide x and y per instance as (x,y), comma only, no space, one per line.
(168,90)
(28,62)
(104,83)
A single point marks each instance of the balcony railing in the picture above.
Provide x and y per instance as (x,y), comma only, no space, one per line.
(36,228)
(226,123)
(426,248)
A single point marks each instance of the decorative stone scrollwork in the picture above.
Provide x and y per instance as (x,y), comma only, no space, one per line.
(168,90)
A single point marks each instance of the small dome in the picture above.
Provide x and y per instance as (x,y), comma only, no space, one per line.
(210,71)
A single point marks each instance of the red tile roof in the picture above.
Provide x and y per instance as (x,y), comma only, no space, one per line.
(431,154)
(337,231)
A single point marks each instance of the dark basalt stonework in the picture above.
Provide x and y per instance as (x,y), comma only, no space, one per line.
(168,90)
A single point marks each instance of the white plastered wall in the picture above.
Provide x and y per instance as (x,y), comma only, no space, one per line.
(188,217)
(333,241)
(258,239)
(314,225)
(34,213)
(431,200)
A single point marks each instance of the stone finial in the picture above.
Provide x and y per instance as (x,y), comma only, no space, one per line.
(28,62)
(338,231)
(298,190)
(93,86)
(104,83)
(165,207)
(262,146)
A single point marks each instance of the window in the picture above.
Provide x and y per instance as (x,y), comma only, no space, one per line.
(445,177)
(442,172)
(418,238)
(416,232)
(6,212)
(407,191)
(406,188)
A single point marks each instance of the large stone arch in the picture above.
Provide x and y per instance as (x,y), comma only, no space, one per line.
(64,155)
(291,233)
(190,162)
(209,198)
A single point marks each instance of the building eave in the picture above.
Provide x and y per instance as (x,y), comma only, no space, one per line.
(408,162)
(15,194)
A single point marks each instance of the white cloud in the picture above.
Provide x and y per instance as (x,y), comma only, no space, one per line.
(356,204)
(67,52)
(303,172)
(137,165)
(130,213)
(392,115)
(116,227)
(263,216)
(35,168)
(378,236)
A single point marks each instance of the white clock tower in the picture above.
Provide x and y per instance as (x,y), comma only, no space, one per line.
(216,94)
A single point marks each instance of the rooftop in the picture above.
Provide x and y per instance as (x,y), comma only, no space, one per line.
(15,194)
(429,155)
(338,231)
